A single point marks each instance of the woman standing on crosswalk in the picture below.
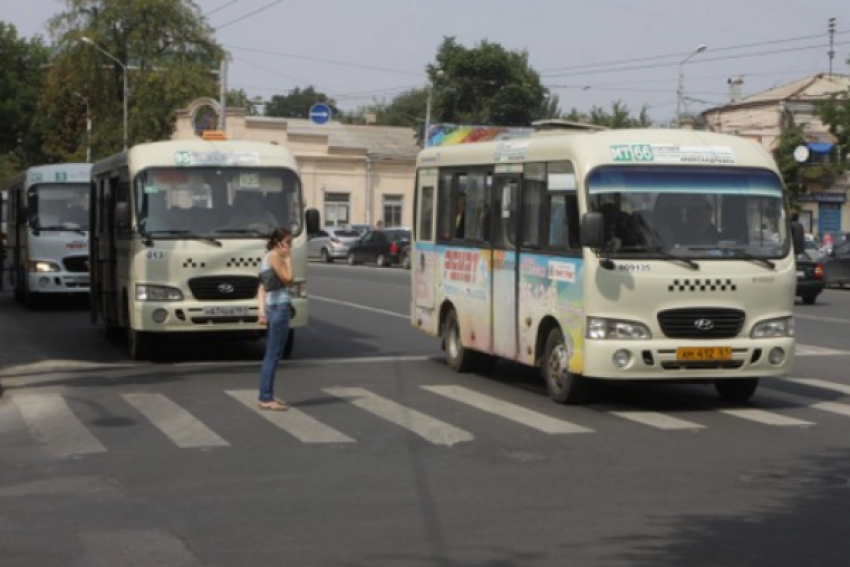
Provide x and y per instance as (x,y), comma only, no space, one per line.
(275,304)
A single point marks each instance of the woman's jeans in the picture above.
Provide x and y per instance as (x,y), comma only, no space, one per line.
(277,317)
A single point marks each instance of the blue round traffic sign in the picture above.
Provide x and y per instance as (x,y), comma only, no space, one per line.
(320,113)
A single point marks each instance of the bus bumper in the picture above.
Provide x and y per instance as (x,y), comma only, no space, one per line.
(58,282)
(199,317)
(654,360)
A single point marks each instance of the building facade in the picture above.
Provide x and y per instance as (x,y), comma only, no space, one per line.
(765,116)
(353,174)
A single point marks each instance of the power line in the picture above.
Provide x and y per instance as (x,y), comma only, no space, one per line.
(326,61)
(248,15)
(214,10)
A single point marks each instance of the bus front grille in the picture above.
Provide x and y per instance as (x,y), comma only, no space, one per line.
(224,288)
(76,264)
(701,323)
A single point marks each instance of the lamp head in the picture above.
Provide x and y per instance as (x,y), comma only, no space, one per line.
(88,40)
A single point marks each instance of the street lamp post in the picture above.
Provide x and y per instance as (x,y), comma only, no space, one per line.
(88,127)
(680,92)
(124,69)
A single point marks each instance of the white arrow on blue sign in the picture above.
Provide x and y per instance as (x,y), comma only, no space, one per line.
(320,113)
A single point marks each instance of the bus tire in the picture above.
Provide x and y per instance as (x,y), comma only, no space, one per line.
(563,387)
(139,344)
(290,344)
(736,389)
(459,359)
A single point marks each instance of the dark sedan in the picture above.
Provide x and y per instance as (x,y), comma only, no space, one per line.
(382,246)
(837,264)
(810,281)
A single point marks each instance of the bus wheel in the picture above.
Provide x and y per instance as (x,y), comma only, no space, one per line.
(564,388)
(458,358)
(290,344)
(736,389)
(139,344)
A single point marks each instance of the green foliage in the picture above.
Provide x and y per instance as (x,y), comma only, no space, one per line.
(238,98)
(170,58)
(407,110)
(835,113)
(485,85)
(619,117)
(20,83)
(297,103)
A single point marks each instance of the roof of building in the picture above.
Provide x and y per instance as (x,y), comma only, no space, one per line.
(816,87)
(385,141)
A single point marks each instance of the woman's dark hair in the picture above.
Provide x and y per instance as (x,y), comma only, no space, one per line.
(277,236)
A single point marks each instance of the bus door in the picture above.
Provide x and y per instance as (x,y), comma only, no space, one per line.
(423,261)
(504,289)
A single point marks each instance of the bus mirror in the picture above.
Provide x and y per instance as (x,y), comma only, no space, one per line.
(313,220)
(122,215)
(798,237)
(593,230)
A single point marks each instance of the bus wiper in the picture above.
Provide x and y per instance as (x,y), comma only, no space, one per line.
(251,231)
(738,253)
(187,234)
(62,229)
(660,252)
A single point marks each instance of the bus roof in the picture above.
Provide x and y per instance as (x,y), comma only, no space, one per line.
(588,149)
(199,153)
(52,173)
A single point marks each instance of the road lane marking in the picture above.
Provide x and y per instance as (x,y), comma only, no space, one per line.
(765,417)
(186,431)
(822,319)
(811,350)
(655,419)
(430,429)
(363,307)
(293,421)
(52,421)
(831,407)
(822,384)
(512,412)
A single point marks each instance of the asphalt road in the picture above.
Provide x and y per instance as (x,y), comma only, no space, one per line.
(388,459)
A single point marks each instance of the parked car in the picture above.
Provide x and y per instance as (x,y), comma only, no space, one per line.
(382,246)
(404,256)
(331,244)
(810,280)
(836,265)
(360,229)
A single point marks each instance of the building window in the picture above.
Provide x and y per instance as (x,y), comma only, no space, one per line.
(337,209)
(393,209)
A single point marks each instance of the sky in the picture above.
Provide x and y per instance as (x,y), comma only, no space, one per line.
(588,52)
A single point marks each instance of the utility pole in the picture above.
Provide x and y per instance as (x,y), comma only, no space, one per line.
(680,91)
(831,51)
(222,81)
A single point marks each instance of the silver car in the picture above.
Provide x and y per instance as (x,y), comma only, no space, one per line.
(331,243)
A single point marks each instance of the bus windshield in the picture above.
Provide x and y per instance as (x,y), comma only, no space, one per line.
(225,202)
(693,212)
(59,206)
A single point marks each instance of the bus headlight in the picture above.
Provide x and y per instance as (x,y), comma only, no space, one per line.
(600,328)
(772,328)
(42,266)
(298,289)
(146,292)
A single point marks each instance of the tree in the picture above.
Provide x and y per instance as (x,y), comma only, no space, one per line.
(21,76)
(484,85)
(407,109)
(169,54)
(238,98)
(297,103)
(835,113)
(619,117)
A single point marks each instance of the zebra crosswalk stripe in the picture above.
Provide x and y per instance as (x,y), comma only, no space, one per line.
(512,412)
(823,384)
(293,421)
(830,407)
(430,429)
(175,422)
(656,419)
(52,421)
(765,417)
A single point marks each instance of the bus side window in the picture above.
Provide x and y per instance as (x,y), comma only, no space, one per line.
(533,193)
(426,214)
(446,214)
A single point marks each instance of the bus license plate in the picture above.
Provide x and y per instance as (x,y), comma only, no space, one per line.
(704,353)
(226,311)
